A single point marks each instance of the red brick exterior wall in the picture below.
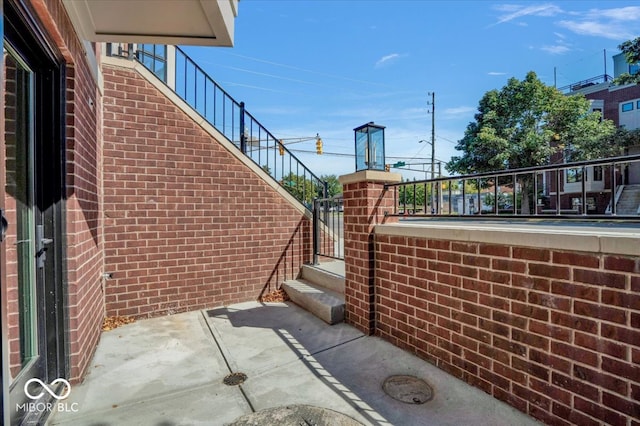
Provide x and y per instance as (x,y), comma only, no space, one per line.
(11,202)
(187,224)
(556,334)
(612,100)
(365,204)
(85,245)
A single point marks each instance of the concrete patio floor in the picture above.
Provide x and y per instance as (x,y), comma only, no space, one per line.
(169,371)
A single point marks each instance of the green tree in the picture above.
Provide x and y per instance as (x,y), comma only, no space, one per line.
(300,187)
(414,195)
(623,138)
(631,50)
(523,125)
(333,185)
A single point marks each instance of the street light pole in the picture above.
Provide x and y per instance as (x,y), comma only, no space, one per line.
(433,146)
(433,134)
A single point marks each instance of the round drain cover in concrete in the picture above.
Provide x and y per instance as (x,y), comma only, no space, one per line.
(234,379)
(408,389)
(296,415)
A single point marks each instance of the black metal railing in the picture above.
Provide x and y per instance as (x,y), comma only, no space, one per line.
(591,189)
(328,228)
(194,86)
(585,83)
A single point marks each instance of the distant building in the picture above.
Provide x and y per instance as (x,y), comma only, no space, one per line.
(620,104)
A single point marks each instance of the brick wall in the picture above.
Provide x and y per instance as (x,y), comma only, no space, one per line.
(553,332)
(612,100)
(365,203)
(13,205)
(85,256)
(187,224)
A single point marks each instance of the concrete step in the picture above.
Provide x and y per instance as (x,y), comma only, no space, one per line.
(325,304)
(324,275)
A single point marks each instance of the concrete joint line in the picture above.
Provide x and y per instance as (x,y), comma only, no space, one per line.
(226,356)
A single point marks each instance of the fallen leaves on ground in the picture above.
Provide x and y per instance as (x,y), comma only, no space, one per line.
(278,295)
(109,323)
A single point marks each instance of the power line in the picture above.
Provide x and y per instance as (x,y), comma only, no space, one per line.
(341,154)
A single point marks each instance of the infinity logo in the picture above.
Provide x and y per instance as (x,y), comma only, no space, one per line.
(65,392)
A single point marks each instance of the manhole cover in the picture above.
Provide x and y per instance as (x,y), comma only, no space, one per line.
(296,415)
(408,389)
(234,379)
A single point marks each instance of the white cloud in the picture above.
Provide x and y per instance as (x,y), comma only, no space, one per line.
(496,73)
(615,24)
(516,11)
(610,30)
(461,110)
(629,13)
(558,49)
(387,59)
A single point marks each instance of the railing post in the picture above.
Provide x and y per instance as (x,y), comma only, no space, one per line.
(535,193)
(243,137)
(613,189)
(316,230)
(171,66)
(495,196)
(584,191)
(558,199)
(325,196)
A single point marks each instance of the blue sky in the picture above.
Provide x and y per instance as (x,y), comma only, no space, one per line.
(305,67)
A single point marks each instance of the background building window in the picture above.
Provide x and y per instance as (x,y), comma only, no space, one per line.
(574,175)
(626,107)
(597,173)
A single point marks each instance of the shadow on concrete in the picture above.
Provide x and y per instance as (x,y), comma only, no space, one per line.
(268,342)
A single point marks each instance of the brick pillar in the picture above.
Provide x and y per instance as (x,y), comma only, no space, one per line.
(365,204)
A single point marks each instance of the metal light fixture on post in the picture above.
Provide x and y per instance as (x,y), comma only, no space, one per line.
(369,144)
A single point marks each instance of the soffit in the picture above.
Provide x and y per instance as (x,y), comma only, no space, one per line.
(187,22)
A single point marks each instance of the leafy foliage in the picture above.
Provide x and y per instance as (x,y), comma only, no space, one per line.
(301,188)
(524,124)
(624,138)
(333,185)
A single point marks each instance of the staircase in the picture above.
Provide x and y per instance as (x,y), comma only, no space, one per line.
(320,290)
(629,202)
(194,86)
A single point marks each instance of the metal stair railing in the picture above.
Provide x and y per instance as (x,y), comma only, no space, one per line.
(230,117)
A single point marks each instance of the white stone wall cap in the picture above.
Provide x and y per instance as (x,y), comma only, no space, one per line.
(370,176)
(621,241)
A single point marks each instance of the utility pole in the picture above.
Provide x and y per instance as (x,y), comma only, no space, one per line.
(433,145)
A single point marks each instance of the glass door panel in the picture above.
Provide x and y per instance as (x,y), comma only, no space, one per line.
(20,245)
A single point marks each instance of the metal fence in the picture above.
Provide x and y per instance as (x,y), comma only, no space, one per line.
(603,188)
(328,228)
(194,86)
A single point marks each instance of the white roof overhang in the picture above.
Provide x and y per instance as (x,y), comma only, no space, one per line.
(187,22)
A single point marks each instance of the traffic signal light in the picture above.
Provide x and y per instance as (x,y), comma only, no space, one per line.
(281,148)
(387,167)
(318,146)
